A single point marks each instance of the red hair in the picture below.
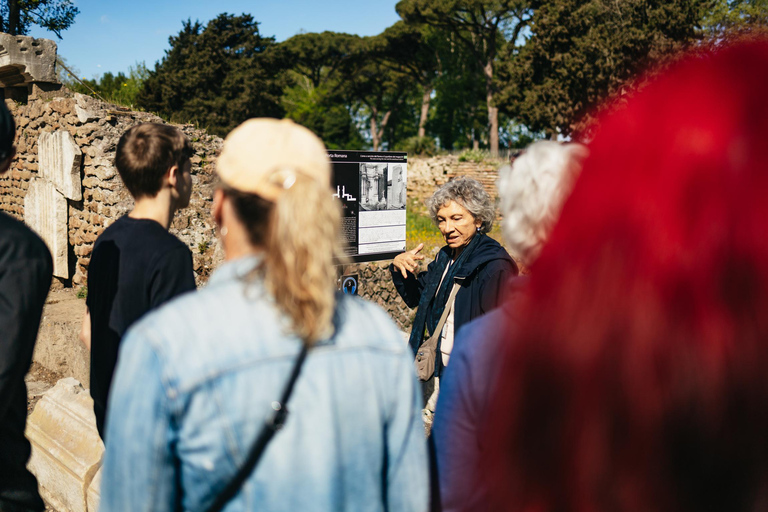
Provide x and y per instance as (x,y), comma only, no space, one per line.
(639,378)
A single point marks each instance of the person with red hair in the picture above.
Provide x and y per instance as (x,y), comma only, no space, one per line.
(638,377)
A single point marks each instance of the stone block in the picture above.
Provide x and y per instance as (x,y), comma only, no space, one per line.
(61,106)
(88,109)
(45,211)
(105,172)
(25,60)
(66,448)
(60,160)
(93,494)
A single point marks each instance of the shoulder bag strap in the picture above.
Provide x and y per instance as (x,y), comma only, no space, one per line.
(272,424)
(432,341)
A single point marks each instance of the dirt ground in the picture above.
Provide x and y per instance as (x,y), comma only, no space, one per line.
(39,380)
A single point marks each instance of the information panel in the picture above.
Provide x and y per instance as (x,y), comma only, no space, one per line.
(372,189)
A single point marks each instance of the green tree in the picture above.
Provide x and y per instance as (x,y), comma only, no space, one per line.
(460,116)
(582,51)
(121,88)
(377,87)
(484,27)
(17,16)
(412,51)
(320,111)
(218,75)
(318,56)
(313,95)
(727,16)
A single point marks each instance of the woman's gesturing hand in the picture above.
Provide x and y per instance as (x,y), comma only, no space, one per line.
(408,261)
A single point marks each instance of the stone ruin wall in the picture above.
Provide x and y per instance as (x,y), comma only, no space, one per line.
(63,183)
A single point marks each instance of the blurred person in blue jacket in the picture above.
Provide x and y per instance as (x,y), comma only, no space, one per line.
(197,378)
(532,192)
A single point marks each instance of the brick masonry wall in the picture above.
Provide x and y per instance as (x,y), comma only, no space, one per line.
(425,175)
(96,128)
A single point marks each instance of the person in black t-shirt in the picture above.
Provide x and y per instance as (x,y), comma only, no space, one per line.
(136,264)
(26,269)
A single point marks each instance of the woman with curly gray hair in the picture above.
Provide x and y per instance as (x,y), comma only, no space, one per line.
(465,280)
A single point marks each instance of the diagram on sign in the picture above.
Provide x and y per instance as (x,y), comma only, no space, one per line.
(341,193)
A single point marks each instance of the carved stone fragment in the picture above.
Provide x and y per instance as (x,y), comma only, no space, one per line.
(45,211)
(25,60)
(60,161)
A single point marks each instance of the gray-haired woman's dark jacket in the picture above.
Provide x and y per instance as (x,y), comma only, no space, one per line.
(483,277)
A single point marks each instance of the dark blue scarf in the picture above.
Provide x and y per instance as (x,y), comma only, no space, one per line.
(431,304)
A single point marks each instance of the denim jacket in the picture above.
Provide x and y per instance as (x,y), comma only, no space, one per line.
(195,380)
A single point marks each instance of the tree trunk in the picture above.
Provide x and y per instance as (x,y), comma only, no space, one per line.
(384,123)
(13,17)
(425,98)
(377,133)
(493,111)
(374,131)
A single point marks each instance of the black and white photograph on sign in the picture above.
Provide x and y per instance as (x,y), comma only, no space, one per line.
(373,186)
(382,186)
(396,187)
(381,225)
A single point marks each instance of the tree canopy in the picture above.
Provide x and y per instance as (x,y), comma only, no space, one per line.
(120,88)
(484,26)
(451,73)
(218,75)
(735,15)
(581,51)
(17,16)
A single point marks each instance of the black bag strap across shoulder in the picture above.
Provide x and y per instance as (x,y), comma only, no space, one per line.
(272,424)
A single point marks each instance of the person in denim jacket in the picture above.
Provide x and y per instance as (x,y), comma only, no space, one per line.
(196,378)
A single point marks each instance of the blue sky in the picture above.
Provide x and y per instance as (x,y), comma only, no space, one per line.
(111,35)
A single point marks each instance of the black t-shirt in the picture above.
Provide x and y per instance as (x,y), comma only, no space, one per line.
(136,266)
(25,276)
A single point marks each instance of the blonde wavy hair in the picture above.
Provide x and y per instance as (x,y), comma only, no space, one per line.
(299,233)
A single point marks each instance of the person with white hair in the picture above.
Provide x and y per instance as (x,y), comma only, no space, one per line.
(532,192)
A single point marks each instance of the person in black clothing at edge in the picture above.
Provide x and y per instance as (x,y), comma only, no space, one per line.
(136,264)
(26,270)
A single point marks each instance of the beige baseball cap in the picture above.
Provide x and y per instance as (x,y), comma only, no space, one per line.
(264,156)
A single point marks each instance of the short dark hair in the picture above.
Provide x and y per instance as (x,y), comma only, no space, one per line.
(146,152)
(7,132)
